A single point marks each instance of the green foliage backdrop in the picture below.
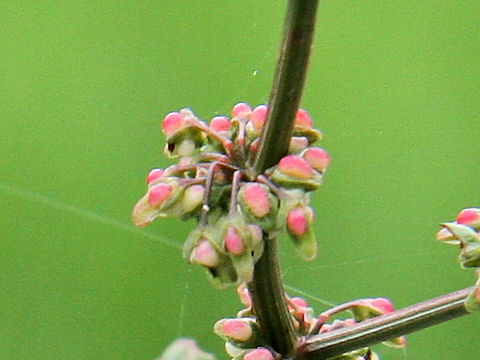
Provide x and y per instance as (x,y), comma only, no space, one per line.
(393,85)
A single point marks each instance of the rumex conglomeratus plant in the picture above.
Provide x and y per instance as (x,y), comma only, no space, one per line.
(247,178)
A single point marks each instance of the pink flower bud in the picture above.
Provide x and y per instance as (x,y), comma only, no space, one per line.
(237,329)
(298,301)
(154,175)
(258,354)
(204,254)
(193,197)
(172,122)
(233,241)
(220,123)
(384,306)
(318,158)
(295,166)
(303,120)
(297,222)
(158,194)
(470,217)
(256,198)
(297,144)
(241,109)
(244,295)
(259,116)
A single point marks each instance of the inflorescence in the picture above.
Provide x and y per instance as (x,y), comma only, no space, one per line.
(214,182)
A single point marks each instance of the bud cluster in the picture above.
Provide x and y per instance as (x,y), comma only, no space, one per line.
(465,233)
(214,182)
(242,334)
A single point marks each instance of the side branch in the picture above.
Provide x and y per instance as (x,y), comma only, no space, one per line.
(382,328)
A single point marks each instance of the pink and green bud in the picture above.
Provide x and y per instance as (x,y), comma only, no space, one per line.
(368,308)
(259,354)
(470,217)
(303,120)
(259,116)
(241,110)
(297,144)
(244,295)
(220,123)
(383,305)
(297,222)
(239,329)
(154,175)
(159,194)
(257,200)
(172,123)
(447,237)
(193,197)
(318,158)
(296,167)
(205,254)
(234,242)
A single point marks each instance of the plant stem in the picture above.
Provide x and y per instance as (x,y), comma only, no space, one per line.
(385,327)
(266,288)
(269,302)
(288,82)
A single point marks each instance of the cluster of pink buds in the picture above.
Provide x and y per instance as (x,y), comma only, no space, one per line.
(242,334)
(214,182)
(465,233)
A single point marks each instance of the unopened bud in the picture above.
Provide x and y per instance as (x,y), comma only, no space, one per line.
(297,144)
(447,237)
(154,175)
(383,305)
(259,116)
(470,217)
(220,123)
(158,194)
(297,223)
(205,254)
(318,158)
(258,354)
(172,122)
(193,197)
(244,295)
(241,110)
(234,329)
(295,166)
(234,241)
(303,119)
(256,198)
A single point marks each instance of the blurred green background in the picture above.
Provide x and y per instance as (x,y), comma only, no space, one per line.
(393,85)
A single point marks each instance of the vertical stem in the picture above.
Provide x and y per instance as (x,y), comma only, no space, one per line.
(266,288)
(269,303)
(288,82)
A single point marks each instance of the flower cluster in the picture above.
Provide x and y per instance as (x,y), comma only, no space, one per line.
(243,336)
(214,182)
(465,233)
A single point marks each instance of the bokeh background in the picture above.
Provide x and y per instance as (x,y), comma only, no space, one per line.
(393,85)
